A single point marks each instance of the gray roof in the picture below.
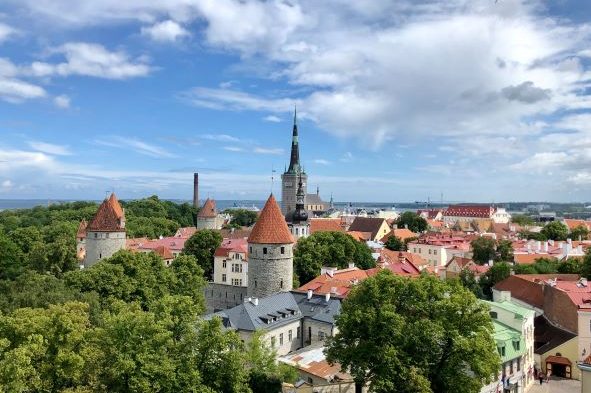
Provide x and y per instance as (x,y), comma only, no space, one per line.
(279,309)
(314,199)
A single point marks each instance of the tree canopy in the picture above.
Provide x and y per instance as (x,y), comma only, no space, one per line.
(555,230)
(580,232)
(335,249)
(395,244)
(413,221)
(483,250)
(202,246)
(420,336)
(242,217)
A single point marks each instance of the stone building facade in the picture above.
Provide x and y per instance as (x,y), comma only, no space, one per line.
(105,234)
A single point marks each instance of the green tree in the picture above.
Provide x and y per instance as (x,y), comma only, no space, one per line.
(498,272)
(25,238)
(413,221)
(586,264)
(11,259)
(533,235)
(504,251)
(242,217)
(483,250)
(335,249)
(555,230)
(395,244)
(468,280)
(188,280)
(579,233)
(571,266)
(522,219)
(202,246)
(423,335)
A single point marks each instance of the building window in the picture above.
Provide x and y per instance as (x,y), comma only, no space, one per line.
(511,367)
(95,235)
(281,339)
(224,264)
(273,341)
(236,268)
(290,335)
(434,252)
(493,314)
(518,365)
(264,250)
(250,250)
(223,278)
(298,332)
(429,251)
(281,284)
(282,250)
(321,335)
(255,283)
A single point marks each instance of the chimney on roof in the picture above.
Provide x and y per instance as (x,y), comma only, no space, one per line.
(490,262)
(538,246)
(328,270)
(196,190)
(255,301)
(327,297)
(310,293)
(351,265)
(333,290)
(545,246)
(247,300)
(583,282)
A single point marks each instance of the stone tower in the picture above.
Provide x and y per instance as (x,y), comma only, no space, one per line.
(289,179)
(105,234)
(270,253)
(207,218)
(299,225)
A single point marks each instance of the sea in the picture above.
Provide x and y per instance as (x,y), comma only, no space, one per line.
(13,204)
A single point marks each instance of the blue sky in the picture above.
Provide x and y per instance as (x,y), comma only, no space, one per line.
(398,101)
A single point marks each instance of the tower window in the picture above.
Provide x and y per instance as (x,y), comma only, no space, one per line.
(283,250)
(281,284)
(255,283)
(264,250)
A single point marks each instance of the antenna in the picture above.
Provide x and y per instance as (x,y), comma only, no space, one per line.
(273,171)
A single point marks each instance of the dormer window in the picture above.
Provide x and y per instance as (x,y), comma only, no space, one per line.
(493,314)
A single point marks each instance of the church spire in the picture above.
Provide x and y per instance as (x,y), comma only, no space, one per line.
(300,214)
(294,162)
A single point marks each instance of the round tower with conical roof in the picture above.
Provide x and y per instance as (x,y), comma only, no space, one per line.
(270,253)
(105,234)
(207,218)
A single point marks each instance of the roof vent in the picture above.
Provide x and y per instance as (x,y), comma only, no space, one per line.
(310,293)
(327,297)
(255,301)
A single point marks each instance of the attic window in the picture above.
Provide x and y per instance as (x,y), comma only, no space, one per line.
(516,345)
(493,314)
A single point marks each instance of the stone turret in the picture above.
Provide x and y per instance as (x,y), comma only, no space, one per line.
(270,253)
(105,234)
(207,218)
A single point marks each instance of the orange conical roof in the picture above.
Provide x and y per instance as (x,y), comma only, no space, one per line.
(109,216)
(82,228)
(208,210)
(270,227)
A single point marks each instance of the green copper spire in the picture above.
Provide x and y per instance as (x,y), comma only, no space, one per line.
(294,162)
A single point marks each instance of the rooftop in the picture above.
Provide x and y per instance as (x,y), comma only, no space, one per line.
(109,217)
(208,210)
(270,227)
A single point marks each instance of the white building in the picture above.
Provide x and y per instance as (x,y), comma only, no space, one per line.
(230,263)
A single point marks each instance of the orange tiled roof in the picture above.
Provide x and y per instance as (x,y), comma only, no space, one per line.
(325,225)
(109,217)
(270,227)
(164,252)
(208,210)
(401,233)
(82,229)
(528,259)
(185,232)
(360,236)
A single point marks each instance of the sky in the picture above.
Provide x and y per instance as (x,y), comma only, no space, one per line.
(456,100)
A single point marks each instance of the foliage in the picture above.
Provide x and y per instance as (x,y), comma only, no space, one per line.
(468,280)
(504,251)
(555,230)
(498,272)
(433,335)
(202,246)
(11,259)
(529,235)
(483,250)
(586,265)
(415,223)
(335,249)
(579,233)
(242,217)
(150,227)
(395,244)
(522,219)
(571,266)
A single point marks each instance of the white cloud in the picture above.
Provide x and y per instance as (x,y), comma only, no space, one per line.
(321,161)
(62,101)
(16,90)
(50,148)
(90,59)
(136,145)
(272,119)
(166,31)
(6,32)
(265,150)
(219,137)
(7,184)
(233,148)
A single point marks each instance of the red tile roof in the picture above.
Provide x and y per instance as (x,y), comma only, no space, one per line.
(325,225)
(82,229)
(109,217)
(528,259)
(185,232)
(270,227)
(164,252)
(528,287)
(572,223)
(208,210)
(476,211)
(402,234)
(173,243)
(430,214)
(395,256)
(232,245)
(360,236)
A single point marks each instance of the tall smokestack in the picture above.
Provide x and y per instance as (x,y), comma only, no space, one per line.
(196,190)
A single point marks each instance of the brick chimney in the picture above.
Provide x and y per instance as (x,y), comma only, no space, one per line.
(196,190)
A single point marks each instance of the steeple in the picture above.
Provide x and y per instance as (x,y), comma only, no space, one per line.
(294,162)
(300,214)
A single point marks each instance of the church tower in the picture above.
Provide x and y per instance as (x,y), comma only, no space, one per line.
(289,180)
(299,225)
(270,253)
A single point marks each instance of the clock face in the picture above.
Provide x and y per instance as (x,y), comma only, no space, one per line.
(288,184)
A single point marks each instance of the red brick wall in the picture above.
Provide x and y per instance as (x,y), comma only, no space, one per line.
(559,309)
